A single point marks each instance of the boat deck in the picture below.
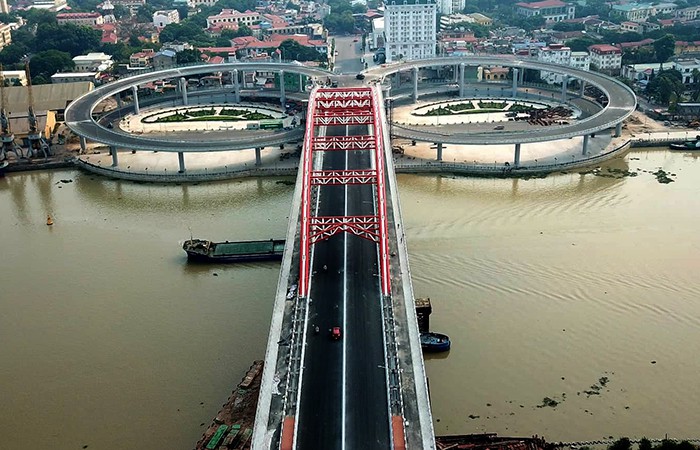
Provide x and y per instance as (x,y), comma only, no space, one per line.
(247,248)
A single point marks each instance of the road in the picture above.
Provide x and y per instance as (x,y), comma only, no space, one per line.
(343,400)
(622,103)
(348,60)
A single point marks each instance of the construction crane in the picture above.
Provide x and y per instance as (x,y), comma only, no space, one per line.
(6,136)
(36,140)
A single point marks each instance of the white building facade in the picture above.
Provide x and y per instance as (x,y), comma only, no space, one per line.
(554,54)
(410,29)
(165,17)
(92,62)
(451,6)
(606,58)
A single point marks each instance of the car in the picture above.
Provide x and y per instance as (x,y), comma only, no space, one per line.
(360,76)
(355,40)
(498,127)
(336,334)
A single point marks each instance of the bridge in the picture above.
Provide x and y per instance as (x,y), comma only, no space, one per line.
(345,266)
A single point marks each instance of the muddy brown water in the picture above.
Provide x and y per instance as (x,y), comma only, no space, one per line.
(546,286)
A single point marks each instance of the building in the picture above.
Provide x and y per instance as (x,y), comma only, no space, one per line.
(410,30)
(93,62)
(233,17)
(5,35)
(686,68)
(606,58)
(90,19)
(640,72)
(142,59)
(51,5)
(165,17)
(686,14)
(447,7)
(15,77)
(554,54)
(164,59)
(197,4)
(74,77)
(682,47)
(3,7)
(640,12)
(377,40)
(630,26)
(494,73)
(551,10)
(580,60)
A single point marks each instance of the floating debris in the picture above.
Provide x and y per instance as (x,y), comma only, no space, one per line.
(548,402)
(663,177)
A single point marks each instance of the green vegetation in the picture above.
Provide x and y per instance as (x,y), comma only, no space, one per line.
(230,115)
(645,444)
(492,105)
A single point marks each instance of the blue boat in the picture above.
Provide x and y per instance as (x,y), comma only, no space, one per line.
(434,342)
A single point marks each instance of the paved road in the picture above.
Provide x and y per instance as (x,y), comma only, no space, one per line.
(344,394)
(79,113)
(622,103)
(348,59)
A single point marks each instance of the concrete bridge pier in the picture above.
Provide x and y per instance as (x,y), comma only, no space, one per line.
(258,158)
(83,144)
(118,97)
(461,79)
(415,84)
(283,95)
(564,86)
(183,90)
(439,146)
(181,162)
(514,92)
(516,156)
(113,152)
(618,129)
(522,76)
(582,92)
(301,83)
(236,86)
(135,94)
(455,73)
(586,137)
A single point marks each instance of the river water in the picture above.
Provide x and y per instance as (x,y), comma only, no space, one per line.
(578,288)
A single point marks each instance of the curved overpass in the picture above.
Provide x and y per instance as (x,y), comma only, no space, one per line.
(78,115)
(621,103)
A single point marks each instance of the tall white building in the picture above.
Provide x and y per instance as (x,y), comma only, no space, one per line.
(409,29)
(447,7)
(562,55)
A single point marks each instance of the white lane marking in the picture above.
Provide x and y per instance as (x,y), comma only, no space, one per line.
(345,307)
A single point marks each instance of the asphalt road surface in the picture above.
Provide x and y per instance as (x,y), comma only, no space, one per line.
(343,400)
(348,59)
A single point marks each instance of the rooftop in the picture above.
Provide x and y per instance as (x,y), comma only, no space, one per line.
(542,4)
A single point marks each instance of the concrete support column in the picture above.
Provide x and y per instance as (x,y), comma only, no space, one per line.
(586,137)
(301,83)
(119,100)
(258,158)
(113,151)
(181,161)
(415,84)
(283,96)
(183,89)
(564,86)
(522,76)
(516,156)
(236,86)
(456,73)
(439,151)
(583,88)
(618,129)
(461,79)
(135,94)
(83,144)
(514,92)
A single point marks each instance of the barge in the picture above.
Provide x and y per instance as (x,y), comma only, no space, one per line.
(241,251)
(434,342)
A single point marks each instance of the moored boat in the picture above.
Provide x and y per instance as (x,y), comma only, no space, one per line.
(3,166)
(203,250)
(687,145)
(434,342)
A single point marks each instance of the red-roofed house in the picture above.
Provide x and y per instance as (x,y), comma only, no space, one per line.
(551,10)
(686,47)
(630,26)
(636,44)
(90,19)
(606,58)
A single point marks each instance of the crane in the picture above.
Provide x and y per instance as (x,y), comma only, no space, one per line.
(36,140)
(6,136)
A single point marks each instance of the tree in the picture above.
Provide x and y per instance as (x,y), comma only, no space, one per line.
(565,26)
(121,11)
(70,38)
(621,444)
(664,48)
(645,444)
(580,44)
(188,56)
(13,54)
(665,85)
(49,62)
(38,16)
(145,13)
